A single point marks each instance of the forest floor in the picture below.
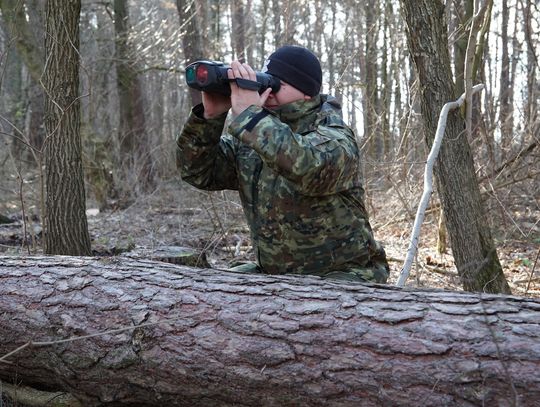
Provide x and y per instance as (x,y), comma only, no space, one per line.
(179,215)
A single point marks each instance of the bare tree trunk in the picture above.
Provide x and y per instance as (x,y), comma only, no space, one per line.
(532,117)
(387,88)
(280,11)
(212,338)
(263,29)
(370,100)
(65,220)
(331,48)
(238,29)
(192,42)
(506,90)
(134,143)
(463,13)
(470,237)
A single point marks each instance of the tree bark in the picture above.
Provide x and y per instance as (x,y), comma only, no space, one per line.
(370,99)
(470,236)
(506,89)
(239,29)
(192,40)
(134,144)
(231,339)
(65,220)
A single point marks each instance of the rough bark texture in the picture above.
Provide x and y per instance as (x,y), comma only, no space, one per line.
(65,220)
(253,340)
(470,236)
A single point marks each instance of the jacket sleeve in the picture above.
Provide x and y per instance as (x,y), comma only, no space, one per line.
(322,162)
(205,159)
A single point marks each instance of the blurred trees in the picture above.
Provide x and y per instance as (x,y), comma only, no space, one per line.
(362,46)
(192,38)
(132,58)
(135,151)
(22,23)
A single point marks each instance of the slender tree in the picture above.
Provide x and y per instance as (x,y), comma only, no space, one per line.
(134,146)
(505,97)
(238,29)
(370,98)
(192,38)
(532,116)
(66,228)
(470,237)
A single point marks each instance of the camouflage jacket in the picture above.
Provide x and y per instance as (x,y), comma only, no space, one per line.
(297,171)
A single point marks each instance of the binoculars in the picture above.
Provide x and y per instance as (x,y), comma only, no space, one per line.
(211,77)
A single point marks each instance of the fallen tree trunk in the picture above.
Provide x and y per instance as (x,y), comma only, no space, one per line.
(215,338)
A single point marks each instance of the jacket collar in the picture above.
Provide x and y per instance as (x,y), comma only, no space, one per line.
(304,116)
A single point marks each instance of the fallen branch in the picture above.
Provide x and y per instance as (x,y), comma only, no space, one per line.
(428,185)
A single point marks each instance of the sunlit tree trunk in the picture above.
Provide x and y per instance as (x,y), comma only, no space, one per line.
(278,33)
(330,46)
(505,96)
(262,31)
(470,237)
(386,81)
(532,117)
(370,100)
(463,11)
(66,229)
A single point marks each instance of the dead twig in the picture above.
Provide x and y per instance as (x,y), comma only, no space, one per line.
(532,271)
(428,184)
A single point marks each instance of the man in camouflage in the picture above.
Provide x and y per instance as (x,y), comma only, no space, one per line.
(295,164)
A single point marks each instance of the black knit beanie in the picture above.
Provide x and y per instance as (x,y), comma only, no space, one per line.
(297,66)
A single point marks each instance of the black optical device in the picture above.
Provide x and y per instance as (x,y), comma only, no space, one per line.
(211,77)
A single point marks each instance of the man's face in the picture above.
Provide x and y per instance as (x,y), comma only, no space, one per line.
(286,94)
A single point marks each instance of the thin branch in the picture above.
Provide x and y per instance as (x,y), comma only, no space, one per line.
(532,271)
(428,184)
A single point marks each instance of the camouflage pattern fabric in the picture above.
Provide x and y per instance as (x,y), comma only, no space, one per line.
(297,171)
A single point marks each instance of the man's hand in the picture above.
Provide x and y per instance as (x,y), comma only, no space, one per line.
(215,104)
(242,98)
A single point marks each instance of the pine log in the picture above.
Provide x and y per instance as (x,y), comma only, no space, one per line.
(214,338)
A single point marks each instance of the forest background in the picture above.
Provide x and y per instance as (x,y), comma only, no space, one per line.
(134,102)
